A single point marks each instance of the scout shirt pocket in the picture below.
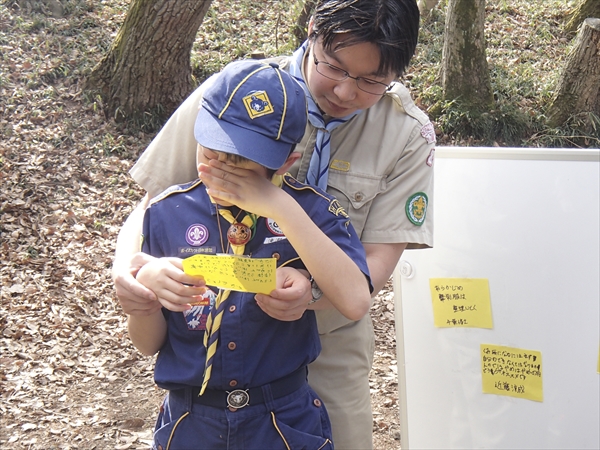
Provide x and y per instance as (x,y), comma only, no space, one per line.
(355,192)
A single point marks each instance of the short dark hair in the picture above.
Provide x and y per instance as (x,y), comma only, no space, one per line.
(392,25)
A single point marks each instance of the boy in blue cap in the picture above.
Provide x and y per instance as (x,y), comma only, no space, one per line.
(236,377)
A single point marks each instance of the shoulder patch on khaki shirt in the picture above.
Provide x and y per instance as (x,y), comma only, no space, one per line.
(416,208)
(428,132)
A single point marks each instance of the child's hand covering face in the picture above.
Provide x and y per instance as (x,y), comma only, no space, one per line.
(246,187)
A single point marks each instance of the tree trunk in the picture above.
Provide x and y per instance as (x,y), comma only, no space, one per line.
(579,85)
(147,70)
(300,28)
(464,72)
(585,9)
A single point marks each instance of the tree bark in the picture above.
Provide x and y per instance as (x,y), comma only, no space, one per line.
(585,9)
(147,70)
(579,85)
(300,28)
(464,73)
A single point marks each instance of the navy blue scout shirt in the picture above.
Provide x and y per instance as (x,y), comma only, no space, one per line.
(253,349)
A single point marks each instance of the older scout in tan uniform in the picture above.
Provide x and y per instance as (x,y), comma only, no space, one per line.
(376,155)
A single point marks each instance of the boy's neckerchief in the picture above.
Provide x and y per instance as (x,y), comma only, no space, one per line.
(318,169)
(213,322)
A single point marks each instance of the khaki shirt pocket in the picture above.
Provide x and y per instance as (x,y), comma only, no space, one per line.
(355,192)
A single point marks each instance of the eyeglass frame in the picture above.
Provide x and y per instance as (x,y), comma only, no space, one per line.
(356,79)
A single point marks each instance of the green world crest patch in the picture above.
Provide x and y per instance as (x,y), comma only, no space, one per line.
(416,208)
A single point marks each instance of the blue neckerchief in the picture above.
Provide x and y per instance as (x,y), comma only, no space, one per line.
(318,169)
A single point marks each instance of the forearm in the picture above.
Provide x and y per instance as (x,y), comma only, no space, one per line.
(382,260)
(147,333)
(340,279)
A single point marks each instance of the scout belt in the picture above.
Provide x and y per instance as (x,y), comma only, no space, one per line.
(239,398)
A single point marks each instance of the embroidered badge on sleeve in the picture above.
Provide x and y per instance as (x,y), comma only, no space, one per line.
(416,208)
(428,132)
(429,160)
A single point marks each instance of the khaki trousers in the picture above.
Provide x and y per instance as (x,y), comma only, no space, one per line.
(340,375)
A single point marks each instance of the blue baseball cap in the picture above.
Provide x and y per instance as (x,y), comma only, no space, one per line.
(255,110)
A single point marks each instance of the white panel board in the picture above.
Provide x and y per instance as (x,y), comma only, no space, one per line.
(528,221)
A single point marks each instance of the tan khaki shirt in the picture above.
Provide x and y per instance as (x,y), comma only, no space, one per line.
(380,159)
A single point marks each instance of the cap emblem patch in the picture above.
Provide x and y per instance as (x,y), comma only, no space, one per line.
(416,208)
(257,104)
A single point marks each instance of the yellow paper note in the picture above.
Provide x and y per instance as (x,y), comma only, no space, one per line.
(238,273)
(461,302)
(512,371)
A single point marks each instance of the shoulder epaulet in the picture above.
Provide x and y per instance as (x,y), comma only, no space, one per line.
(402,97)
(290,181)
(175,189)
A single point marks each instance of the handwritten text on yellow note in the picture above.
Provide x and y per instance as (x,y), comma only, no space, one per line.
(238,273)
(461,302)
(512,371)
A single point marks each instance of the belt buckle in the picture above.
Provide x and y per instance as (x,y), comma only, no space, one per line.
(238,399)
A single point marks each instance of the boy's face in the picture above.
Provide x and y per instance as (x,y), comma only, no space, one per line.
(340,98)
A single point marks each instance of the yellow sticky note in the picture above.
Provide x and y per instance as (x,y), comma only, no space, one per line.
(238,273)
(512,371)
(461,302)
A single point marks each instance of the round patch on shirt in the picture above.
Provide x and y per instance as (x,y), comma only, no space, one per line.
(196,234)
(416,208)
(273,227)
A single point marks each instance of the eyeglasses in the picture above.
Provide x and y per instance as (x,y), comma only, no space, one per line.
(335,73)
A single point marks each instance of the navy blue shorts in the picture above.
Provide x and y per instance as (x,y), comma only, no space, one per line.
(296,421)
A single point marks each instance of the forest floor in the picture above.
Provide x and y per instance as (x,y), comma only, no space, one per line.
(69,376)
